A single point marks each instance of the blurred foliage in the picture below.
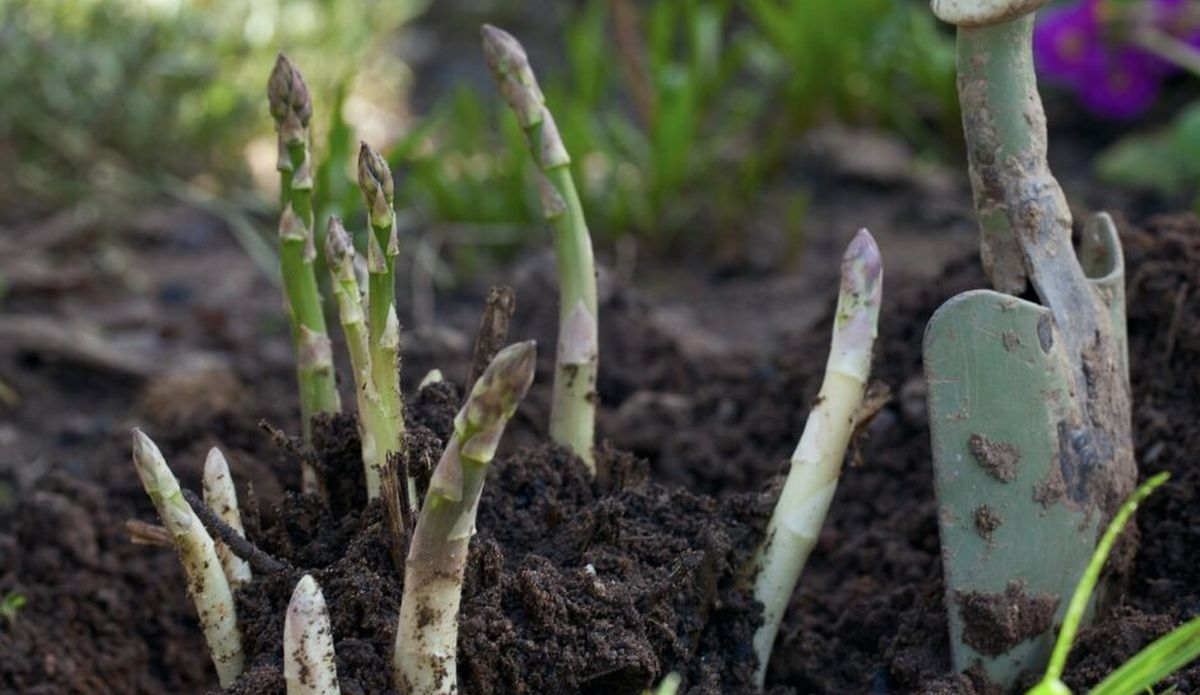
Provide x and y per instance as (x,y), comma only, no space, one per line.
(879,62)
(103,98)
(676,112)
(1166,161)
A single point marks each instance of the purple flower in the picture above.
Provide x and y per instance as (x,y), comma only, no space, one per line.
(1120,84)
(1088,46)
(1066,39)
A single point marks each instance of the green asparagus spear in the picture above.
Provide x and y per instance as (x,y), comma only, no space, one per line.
(573,404)
(291,107)
(425,654)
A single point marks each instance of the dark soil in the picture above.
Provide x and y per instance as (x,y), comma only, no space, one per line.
(663,541)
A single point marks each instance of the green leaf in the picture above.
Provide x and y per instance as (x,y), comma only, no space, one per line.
(1051,683)
(1163,657)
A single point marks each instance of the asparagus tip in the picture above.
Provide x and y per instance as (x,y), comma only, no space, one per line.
(862,268)
(338,247)
(499,389)
(287,93)
(375,180)
(510,65)
(215,464)
(307,603)
(146,456)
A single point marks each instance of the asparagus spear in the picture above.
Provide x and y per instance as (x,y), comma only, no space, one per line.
(425,655)
(291,107)
(377,429)
(817,461)
(309,663)
(573,404)
(207,584)
(383,245)
(221,497)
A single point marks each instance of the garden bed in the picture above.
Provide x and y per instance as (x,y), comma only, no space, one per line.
(574,586)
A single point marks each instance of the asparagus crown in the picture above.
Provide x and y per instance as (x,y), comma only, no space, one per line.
(510,65)
(973,13)
(339,250)
(375,180)
(494,398)
(291,105)
(858,305)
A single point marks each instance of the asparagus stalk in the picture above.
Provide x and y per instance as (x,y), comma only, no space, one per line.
(221,498)
(377,428)
(383,245)
(573,403)
(425,656)
(291,107)
(309,664)
(817,461)
(207,584)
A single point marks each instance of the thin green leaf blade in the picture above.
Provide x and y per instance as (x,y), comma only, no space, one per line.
(1163,657)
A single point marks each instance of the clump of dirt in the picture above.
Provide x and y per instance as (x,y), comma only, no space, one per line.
(572,585)
(987,520)
(993,623)
(999,459)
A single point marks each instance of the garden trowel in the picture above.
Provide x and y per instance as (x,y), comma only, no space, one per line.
(1028,397)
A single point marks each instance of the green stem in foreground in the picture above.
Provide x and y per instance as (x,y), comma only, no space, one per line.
(377,428)
(291,107)
(383,245)
(207,584)
(796,522)
(1051,683)
(425,656)
(573,404)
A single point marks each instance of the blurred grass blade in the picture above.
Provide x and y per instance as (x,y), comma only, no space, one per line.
(1166,655)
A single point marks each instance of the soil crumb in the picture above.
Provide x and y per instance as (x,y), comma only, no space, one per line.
(999,459)
(987,520)
(995,622)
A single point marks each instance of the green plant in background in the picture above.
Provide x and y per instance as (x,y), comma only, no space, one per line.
(679,111)
(1165,161)
(11,605)
(1155,662)
(111,102)
(877,62)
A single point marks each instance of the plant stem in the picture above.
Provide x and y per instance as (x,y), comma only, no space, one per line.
(207,584)
(291,107)
(376,426)
(425,657)
(383,245)
(573,403)
(816,464)
(221,498)
(309,663)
